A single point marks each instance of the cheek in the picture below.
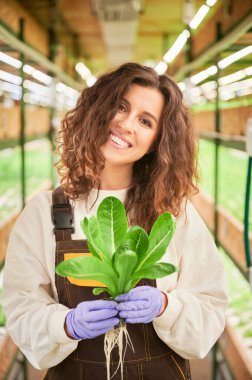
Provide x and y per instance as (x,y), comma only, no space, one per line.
(150,138)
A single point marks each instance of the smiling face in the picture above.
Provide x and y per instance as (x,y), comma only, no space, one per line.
(134,128)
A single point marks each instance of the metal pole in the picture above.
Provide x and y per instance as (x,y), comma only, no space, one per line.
(22,117)
(52,54)
(216,178)
(217,142)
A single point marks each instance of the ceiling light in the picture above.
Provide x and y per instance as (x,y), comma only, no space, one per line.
(227,95)
(198,18)
(182,86)
(232,78)
(177,46)
(210,3)
(236,86)
(248,70)
(161,67)
(208,86)
(234,57)
(85,73)
(196,91)
(83,70)
(211,95)
(211,70)
(91,80)
(41,77)
(10,61)
(10,77)
(202,75)
(35,87)
(12,88)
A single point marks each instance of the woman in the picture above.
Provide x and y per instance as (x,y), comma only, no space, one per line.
(129,136)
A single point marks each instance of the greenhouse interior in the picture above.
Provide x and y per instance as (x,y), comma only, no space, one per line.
(51,50)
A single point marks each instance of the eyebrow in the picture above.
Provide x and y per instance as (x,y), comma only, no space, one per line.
(144,112)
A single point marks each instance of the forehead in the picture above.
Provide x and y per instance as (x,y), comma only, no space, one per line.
(147,99)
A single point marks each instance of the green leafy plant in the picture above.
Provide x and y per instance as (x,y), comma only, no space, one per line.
(120,256)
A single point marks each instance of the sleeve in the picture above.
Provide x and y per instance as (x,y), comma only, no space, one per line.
(195,315)
(35,320)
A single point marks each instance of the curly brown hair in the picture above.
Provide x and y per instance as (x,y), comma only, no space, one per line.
(161,179)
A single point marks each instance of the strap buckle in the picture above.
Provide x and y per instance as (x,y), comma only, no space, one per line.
(62,217)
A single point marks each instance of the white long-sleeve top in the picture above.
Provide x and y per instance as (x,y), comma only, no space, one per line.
(190,325)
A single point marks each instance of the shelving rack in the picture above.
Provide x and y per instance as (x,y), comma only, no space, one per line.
(232,359)
(30,125)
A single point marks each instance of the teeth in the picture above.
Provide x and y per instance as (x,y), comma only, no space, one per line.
(118,141)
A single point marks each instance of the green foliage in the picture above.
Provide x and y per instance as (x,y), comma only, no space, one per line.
(120,257)
(231,193)
(2,315)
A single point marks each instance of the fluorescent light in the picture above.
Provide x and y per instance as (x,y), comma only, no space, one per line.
(91,80)
(208,86)
(12,88)
(199,100)
(211,70)
(236,86)
(210,3)
(182,86)
(85,73)
(37,74)
(28,69)
(197,19)
(196,91)
(10,77)
(211,95)
(83,70)
(61,87)
(41,77)
(234,57)
(248,70)
(35,87)
(202,75)
(232,77)
(161,67)
(177,46)
(10,60)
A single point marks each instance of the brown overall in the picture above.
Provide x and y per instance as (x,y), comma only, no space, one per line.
(152,359)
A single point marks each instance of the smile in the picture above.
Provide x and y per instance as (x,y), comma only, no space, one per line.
(118,141)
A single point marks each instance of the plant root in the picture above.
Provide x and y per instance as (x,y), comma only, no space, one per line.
(112,339)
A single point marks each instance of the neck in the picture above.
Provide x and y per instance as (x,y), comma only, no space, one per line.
(116,178)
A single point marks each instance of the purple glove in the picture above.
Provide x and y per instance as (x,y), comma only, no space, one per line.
(91,319)
(140,305)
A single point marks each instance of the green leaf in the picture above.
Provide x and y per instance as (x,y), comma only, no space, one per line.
(112,220)
(125,263)
(84,227)
(160,236)
(97,291)
(140,241)
(89,268)
(95,241)
(157,270)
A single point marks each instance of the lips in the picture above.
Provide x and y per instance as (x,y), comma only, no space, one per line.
(118,140)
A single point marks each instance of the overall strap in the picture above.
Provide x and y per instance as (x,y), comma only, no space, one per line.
(62,215)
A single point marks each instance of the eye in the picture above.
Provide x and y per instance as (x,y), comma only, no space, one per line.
(146,122)
(122,108)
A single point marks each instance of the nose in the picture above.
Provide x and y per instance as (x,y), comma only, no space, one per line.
(126,123)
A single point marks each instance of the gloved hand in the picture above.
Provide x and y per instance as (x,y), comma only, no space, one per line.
(140,305)
(91,319)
